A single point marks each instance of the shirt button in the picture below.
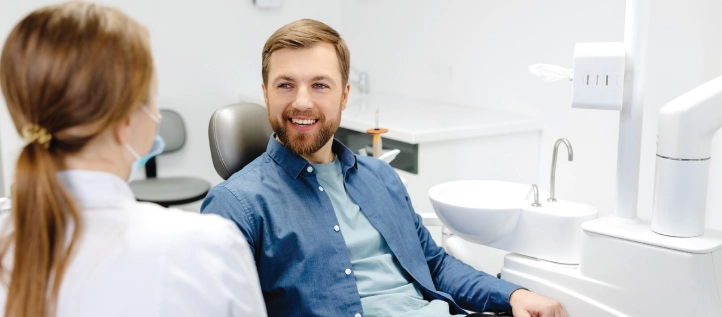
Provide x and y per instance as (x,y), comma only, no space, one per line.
(336,228)
(310,169)
(320,188)
(348,271)
(357,315)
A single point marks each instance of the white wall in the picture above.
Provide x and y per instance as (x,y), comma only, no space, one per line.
(470,52)
(208,55)
(477,53)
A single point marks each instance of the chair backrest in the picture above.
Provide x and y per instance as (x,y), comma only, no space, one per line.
(238,134)
(172,130)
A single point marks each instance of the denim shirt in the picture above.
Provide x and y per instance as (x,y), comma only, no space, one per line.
(302,260)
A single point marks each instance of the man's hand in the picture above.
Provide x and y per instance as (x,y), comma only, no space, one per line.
(527,304)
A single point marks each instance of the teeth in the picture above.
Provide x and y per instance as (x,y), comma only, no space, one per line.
(303,122)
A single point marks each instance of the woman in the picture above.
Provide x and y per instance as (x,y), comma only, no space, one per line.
(79,83)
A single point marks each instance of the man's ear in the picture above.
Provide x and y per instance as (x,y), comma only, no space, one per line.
(344,98)
(265,93)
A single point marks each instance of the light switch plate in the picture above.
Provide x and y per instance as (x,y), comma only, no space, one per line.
(598,76)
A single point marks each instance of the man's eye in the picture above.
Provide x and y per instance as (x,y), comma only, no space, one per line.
(284,86)
(319,86)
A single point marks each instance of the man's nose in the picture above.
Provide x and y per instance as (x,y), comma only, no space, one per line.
(302,101)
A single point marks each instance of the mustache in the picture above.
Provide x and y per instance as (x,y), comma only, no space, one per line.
(308,113)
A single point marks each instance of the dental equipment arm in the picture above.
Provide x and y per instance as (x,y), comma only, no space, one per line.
(687,126)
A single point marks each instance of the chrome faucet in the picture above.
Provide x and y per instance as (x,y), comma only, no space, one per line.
(554,164)
(535,190)
(363,81)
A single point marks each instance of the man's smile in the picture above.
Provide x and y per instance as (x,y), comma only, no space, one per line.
(303,122)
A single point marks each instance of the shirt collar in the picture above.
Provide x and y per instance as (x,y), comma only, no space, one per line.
(294,164)
(95,189)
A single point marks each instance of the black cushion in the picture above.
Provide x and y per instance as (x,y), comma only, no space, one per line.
(238,134)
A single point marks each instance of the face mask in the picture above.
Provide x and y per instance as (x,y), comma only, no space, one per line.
(156,148)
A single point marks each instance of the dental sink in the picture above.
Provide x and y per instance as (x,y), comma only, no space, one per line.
(497,214)
(467,207)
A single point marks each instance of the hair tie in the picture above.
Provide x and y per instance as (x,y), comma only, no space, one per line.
(32,133)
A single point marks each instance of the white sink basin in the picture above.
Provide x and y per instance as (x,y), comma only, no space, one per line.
(496,214)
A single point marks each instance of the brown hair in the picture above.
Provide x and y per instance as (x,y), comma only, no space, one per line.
(67,72)
(305,34)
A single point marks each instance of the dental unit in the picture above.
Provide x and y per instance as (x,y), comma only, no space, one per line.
(617,265)
(686,128)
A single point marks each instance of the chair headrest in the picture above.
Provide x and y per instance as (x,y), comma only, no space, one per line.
(238,134)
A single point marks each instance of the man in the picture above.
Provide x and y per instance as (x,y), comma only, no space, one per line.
(334,234)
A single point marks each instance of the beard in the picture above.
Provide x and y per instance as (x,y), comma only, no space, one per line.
(307,142)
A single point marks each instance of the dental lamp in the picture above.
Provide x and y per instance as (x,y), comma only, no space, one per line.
(687,126)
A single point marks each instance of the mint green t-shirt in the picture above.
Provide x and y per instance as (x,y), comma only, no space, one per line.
(386,290)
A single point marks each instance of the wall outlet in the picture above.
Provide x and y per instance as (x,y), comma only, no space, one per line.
(267,4)
(598,76)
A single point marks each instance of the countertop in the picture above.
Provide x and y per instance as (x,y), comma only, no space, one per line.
(416,121)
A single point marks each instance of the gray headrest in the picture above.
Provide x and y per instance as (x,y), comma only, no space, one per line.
(172,130)
(238,134)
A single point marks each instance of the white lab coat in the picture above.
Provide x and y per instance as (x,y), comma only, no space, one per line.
(140,259)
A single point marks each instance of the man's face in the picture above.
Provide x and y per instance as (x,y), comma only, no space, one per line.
(304,96)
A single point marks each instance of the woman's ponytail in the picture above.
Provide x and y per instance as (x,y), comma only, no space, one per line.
(43,214)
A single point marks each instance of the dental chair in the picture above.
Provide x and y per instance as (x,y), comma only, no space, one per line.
(238,134)
(169,191)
